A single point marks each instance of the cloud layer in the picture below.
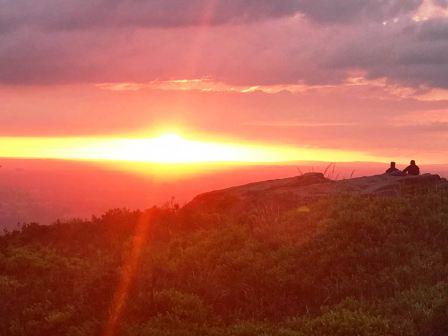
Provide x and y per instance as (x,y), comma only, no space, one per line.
(83,14)
(257,42)
(330,11)
(88,14)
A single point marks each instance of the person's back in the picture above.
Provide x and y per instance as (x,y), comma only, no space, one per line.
(412,169)
(393,170)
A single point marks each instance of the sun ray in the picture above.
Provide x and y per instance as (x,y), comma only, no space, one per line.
(128,273)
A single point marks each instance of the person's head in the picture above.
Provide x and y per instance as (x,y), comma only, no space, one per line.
(392,164)
(413,162)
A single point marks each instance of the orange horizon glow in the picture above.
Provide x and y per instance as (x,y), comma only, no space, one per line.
(168,148)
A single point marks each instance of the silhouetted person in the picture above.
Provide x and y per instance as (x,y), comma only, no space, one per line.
(393,170)
(412,169)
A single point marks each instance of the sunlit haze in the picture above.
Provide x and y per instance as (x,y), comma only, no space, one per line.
(167,148)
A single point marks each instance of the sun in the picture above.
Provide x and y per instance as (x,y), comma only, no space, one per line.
(172,148)
(170,138)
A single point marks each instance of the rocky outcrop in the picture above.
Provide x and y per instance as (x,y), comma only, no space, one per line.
(312,186)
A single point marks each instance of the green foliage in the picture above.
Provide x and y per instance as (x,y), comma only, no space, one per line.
(361,266)
(437,325)
(344,322)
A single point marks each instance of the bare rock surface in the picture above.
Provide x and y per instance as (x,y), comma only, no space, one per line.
(312,186)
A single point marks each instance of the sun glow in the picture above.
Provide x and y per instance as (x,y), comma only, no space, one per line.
(168,148)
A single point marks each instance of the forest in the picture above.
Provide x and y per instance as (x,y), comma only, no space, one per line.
(337,266)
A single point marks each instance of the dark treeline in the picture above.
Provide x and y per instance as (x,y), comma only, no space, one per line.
(341,267)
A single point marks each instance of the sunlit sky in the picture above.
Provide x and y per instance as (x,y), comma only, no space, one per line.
(243,81)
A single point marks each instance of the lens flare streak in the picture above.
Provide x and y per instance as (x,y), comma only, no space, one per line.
(128,273)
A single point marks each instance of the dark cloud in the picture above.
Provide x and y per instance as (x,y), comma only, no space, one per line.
(332,11)
(441,3)
(410,53)
(435,29)
(83,14)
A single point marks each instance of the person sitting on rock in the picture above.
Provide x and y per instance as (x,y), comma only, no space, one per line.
(394,171)
(412,169)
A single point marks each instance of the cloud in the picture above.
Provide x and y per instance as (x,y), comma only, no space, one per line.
(83,14)
(331,11)
(410,53)
(57,15)
(69,109)
(441,3)
(246,55)
(431,30)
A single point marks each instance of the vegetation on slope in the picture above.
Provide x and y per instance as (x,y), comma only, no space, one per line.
(338,266)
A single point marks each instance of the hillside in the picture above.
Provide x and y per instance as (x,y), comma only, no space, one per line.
(290,257)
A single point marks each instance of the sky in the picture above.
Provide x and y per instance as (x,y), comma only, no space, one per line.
(365,77)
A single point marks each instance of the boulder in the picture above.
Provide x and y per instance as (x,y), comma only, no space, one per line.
(312,186)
